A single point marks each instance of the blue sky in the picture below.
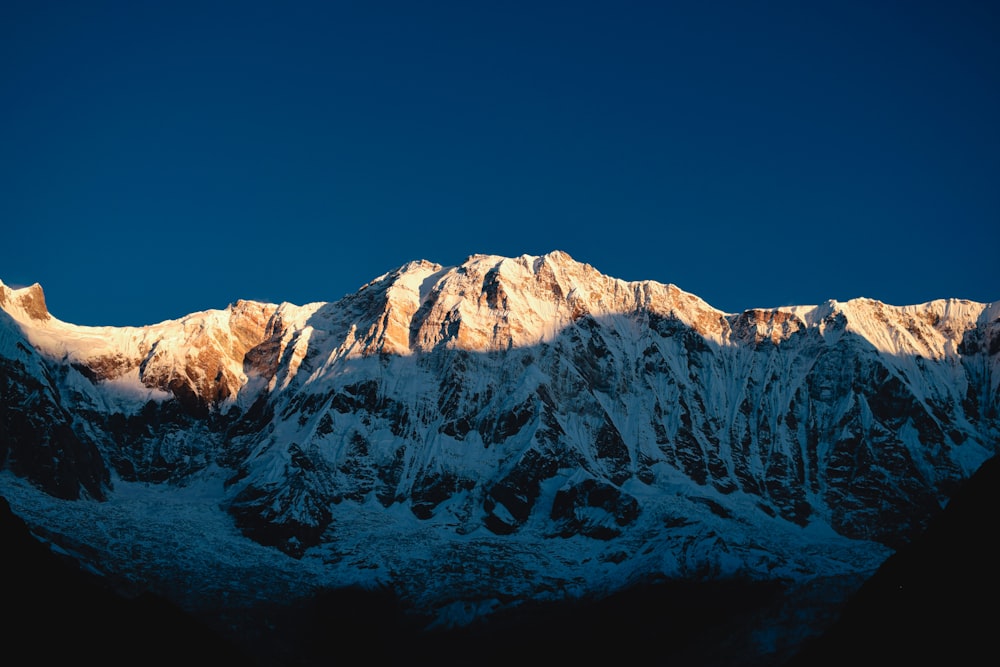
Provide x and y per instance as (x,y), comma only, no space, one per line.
(163,158)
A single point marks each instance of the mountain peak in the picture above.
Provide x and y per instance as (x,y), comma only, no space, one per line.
(552,255)
(30,301)
(491,303)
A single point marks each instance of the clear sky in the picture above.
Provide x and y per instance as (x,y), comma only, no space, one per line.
(160,158)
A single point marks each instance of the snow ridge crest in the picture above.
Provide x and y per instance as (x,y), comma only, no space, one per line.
(492,303)
(487,303)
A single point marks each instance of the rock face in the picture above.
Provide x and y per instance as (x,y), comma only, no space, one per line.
(37,438)
(516,396)
(541,370)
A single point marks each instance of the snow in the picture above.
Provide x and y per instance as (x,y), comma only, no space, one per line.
(157,535)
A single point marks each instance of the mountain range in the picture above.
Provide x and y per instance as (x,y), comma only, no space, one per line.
(475,445)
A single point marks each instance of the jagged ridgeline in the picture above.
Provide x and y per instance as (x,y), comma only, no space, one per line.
(526,420)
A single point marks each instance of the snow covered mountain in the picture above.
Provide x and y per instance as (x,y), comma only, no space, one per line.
(504,430)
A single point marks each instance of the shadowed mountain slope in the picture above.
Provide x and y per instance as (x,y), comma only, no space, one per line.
(932,602)
(58,613)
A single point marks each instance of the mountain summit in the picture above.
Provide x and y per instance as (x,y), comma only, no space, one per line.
(503,430)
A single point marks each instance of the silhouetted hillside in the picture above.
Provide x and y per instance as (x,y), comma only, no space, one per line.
(54,612)
(932,602)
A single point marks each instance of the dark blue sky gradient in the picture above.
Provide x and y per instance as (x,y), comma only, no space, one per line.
(163,158)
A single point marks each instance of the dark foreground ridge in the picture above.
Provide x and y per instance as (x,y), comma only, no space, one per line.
(932,602)
(682,624)
(58,613)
